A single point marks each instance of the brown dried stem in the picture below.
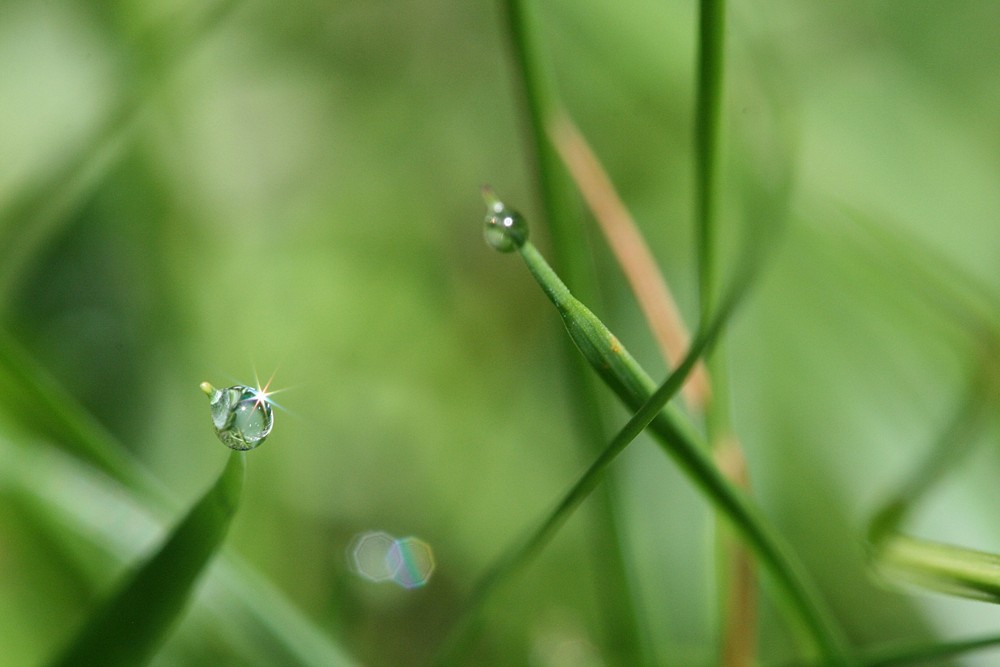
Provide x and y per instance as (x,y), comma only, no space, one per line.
(631,251)
(664,320)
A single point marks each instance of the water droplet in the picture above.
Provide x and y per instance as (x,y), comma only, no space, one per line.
(505,229)
(242,415)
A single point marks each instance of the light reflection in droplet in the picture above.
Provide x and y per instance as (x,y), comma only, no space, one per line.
(378,556)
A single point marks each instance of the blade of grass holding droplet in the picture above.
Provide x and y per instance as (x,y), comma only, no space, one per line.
(680,441)
(660,311)
(913,654)
(71,500)
(27,388)
(127,629)
(648,412)
(625,632)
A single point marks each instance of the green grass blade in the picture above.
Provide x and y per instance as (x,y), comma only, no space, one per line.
(41,405)
(44,407)
(708,110)
(518,557)
(127,629)
(953,443)
(915,654)
(625,633)
(608,357)
(70,500)
(945,568)
(952,570)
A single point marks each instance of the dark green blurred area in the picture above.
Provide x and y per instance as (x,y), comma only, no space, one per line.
(195,192)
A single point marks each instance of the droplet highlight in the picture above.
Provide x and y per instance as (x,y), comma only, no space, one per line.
(505,229)
(242,416)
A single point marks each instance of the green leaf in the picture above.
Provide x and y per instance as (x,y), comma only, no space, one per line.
(685,446)
(129,627)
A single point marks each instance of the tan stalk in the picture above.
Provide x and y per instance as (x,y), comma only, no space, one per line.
(631,251)
(739,635)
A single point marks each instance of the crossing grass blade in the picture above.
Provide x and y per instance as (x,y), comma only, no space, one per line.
(130,625)
(678,438)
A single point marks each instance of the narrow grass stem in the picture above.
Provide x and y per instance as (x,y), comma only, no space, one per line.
(681,441)
(708,107)
(535,92)
(605,353)
(737,574)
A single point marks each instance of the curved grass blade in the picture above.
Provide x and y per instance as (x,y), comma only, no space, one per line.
(70,500)
(953,443)
(626,634)
(128,628)
(679,439)
(41,405)
(516,558)
(915,654)
(948,569)
(685,446)
(28,390)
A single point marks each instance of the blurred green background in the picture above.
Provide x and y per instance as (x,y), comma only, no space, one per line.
(205,191)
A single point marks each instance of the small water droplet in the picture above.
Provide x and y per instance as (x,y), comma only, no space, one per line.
(242,415)
(505,228)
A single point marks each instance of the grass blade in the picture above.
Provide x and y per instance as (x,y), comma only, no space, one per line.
(40,404)
(914,654)
(625,633)
(29,390)
(129,626)
(708,110)
(608,357)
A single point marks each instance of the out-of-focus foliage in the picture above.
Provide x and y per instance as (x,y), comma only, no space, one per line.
(205,191)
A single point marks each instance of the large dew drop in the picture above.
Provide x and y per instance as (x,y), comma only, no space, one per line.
(242,415)
(505,229)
